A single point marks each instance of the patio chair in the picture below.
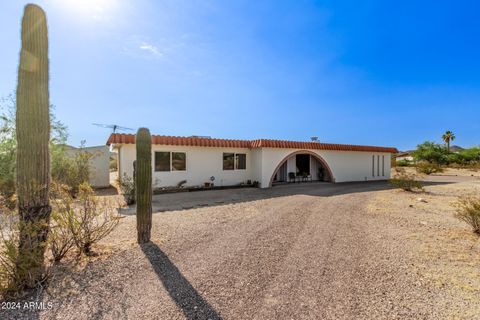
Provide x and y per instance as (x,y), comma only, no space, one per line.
(291,176)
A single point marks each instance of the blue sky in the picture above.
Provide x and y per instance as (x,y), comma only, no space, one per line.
(392,73)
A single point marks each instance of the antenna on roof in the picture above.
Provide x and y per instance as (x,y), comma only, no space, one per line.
(114,127)
(314,139)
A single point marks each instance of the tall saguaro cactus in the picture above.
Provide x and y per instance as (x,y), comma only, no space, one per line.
(143,185)
(33,135)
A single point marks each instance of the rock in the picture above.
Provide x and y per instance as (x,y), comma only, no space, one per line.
(422,200)
(410,205)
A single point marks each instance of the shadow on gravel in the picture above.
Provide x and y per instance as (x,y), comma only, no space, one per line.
(193,305)
(191,200)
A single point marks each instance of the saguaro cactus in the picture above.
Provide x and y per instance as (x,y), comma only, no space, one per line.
(143,185)
(33,135)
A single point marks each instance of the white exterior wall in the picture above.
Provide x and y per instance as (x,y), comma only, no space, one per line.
(204,162)
(345,165)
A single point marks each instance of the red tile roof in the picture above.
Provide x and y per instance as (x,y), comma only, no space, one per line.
(120,138)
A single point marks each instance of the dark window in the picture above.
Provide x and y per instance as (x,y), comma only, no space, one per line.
(179,161)
(240,161)
(228,161)
(162,161)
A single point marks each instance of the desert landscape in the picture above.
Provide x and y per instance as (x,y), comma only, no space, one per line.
(314,250)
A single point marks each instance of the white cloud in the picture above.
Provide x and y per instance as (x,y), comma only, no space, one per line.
(150,48)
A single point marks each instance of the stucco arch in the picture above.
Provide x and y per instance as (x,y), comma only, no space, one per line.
(313,154)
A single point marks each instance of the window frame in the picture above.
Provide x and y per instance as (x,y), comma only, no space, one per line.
(170,161)
(223,161)
(236,161)
(155,161)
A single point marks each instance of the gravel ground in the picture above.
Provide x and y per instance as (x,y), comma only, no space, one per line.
(310,251)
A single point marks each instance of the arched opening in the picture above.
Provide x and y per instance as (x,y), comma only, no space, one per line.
(301,166)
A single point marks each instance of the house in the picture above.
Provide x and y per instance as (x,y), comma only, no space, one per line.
(201,160)
(404,156)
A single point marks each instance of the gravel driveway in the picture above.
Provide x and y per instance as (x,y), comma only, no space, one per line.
(292,252)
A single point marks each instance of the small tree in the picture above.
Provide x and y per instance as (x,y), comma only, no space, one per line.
(430,152)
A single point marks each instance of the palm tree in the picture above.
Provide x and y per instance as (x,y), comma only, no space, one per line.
(447,137)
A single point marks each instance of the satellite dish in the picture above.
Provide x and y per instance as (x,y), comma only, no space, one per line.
(114,127)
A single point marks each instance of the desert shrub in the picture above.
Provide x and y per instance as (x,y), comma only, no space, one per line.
(60,237)
(68,170)
(402,163)
(89,220)
(14,272)
(8,250)
(127,188)
(428,168)
(468,210)
(406,182)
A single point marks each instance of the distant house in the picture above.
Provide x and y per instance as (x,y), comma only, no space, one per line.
(404,156)
(201,160)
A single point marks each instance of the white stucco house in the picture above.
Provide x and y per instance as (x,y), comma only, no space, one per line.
(200,160)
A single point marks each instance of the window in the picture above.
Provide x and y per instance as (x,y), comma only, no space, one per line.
(383,165)
(228,161)
(162,161)
(170,161)
(179,161)
(240,161)
(373,166)
(234,161)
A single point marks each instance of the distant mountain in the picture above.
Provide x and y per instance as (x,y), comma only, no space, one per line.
(456,148)
(452,149)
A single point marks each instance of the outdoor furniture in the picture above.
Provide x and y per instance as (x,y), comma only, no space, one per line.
(292,177)
(306,177)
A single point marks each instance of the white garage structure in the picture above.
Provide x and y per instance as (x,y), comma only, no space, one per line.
(199,160)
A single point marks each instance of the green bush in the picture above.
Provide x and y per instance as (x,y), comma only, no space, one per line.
(406,182)
(8,145)
(431,152)
(428,168)
(402,163)
(468,210)
(68,170)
